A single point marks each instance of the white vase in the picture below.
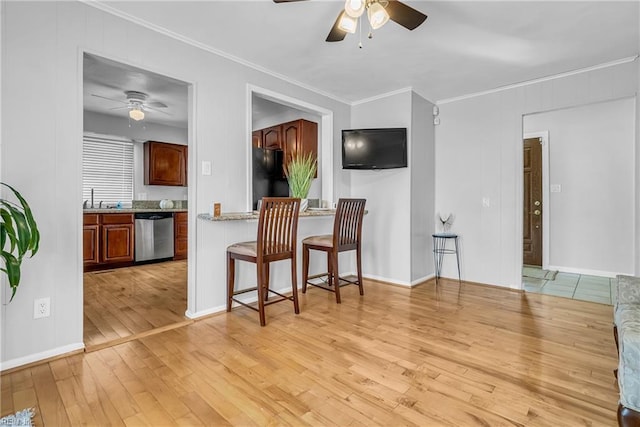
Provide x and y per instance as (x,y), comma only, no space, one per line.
(304,203)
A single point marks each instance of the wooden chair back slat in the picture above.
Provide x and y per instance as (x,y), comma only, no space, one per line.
(277,226)
(347,226)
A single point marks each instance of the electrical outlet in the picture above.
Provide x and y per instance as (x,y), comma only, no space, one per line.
(41,308)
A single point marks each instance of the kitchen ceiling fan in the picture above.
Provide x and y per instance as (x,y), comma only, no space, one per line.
(137,103)
(378,13)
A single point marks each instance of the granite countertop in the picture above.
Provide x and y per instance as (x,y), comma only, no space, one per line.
(131,210)
(239,216)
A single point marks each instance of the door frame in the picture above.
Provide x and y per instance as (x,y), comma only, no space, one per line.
(325,141)
(192,175)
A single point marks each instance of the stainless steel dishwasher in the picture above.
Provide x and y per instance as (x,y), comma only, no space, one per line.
(154,236)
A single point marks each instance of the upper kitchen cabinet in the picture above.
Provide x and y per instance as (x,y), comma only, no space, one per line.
(300,137)
(272,137)
(165,164)
(296,137)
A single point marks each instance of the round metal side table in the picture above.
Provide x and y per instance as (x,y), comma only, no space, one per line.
(440,250)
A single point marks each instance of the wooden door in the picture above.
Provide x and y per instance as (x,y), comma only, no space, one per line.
(291,139)
(300,137)
(532,214)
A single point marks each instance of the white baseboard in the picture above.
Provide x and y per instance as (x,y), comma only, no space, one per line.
(207,312)
(584,271)
(386,279)
(14,363)
(422,279)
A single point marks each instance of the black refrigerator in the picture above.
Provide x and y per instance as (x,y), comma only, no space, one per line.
(268,179)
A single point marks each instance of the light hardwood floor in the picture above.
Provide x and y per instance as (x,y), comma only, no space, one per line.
(426,356)
(126,302)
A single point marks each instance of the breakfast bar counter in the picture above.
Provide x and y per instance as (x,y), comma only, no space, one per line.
(239,216)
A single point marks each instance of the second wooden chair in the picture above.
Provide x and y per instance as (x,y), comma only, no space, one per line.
(347,232)
(277,240)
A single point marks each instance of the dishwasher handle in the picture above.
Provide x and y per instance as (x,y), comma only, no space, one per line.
(154,215)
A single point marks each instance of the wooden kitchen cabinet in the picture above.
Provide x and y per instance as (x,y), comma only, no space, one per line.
(165,164)
(256,138)
(272,137)
(108,240)
(180,229)
(300,137)
(90,240)
(295,137)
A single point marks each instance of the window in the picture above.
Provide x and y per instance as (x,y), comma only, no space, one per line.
(107,167)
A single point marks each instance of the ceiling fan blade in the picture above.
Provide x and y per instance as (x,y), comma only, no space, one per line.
(147,108)
(336,34)
(119,108)
(404,15)
(156,104)
(110,99)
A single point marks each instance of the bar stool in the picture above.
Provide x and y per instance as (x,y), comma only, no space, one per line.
(347,233)
(276,241)
(440,250)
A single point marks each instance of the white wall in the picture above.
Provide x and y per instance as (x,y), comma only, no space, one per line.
(140,132)
(386,231)
(422,166)
(42,51)
(478,155)
(592,156)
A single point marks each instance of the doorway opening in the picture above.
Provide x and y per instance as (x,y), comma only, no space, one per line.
(134,120)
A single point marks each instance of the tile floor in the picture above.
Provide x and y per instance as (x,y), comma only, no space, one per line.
(569,285)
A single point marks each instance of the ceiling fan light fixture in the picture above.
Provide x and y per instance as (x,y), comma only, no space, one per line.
(136,114)
(354,8)
(348,23)
(377,15)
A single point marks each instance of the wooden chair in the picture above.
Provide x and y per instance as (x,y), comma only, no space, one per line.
(347,231)
(276,241)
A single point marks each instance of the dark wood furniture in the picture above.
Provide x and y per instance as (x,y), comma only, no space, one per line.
(108,240)
(165,164)
(180,241)
(295,137)
(347,233)
(276,241)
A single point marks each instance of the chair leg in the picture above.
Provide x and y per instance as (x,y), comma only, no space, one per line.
(305,267)
(336,274)
(329,269)
(359,267)
(261,279)
(231,276)
(266,281)
(294,284)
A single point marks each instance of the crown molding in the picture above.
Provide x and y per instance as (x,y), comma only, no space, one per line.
(539,80)
(165,31)
(382,95)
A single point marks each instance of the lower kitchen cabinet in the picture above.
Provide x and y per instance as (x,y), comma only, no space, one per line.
(108,240)
(180,228)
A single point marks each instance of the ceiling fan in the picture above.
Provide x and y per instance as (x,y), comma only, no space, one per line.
(378,13)
(136,102)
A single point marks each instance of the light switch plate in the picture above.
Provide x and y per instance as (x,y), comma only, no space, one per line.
(555,188)
(486,202)
(206,167)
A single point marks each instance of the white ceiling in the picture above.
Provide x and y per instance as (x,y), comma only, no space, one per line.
(110,79)
(462,48)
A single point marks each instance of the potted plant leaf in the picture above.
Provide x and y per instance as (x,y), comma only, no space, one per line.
(300,172)
(19,236)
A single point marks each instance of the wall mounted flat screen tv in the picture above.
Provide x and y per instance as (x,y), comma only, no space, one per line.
(374,148)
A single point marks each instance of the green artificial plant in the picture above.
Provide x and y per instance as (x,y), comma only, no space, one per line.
(300,172)
(19,236)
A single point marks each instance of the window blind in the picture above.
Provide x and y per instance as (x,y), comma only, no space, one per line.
(107,167)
